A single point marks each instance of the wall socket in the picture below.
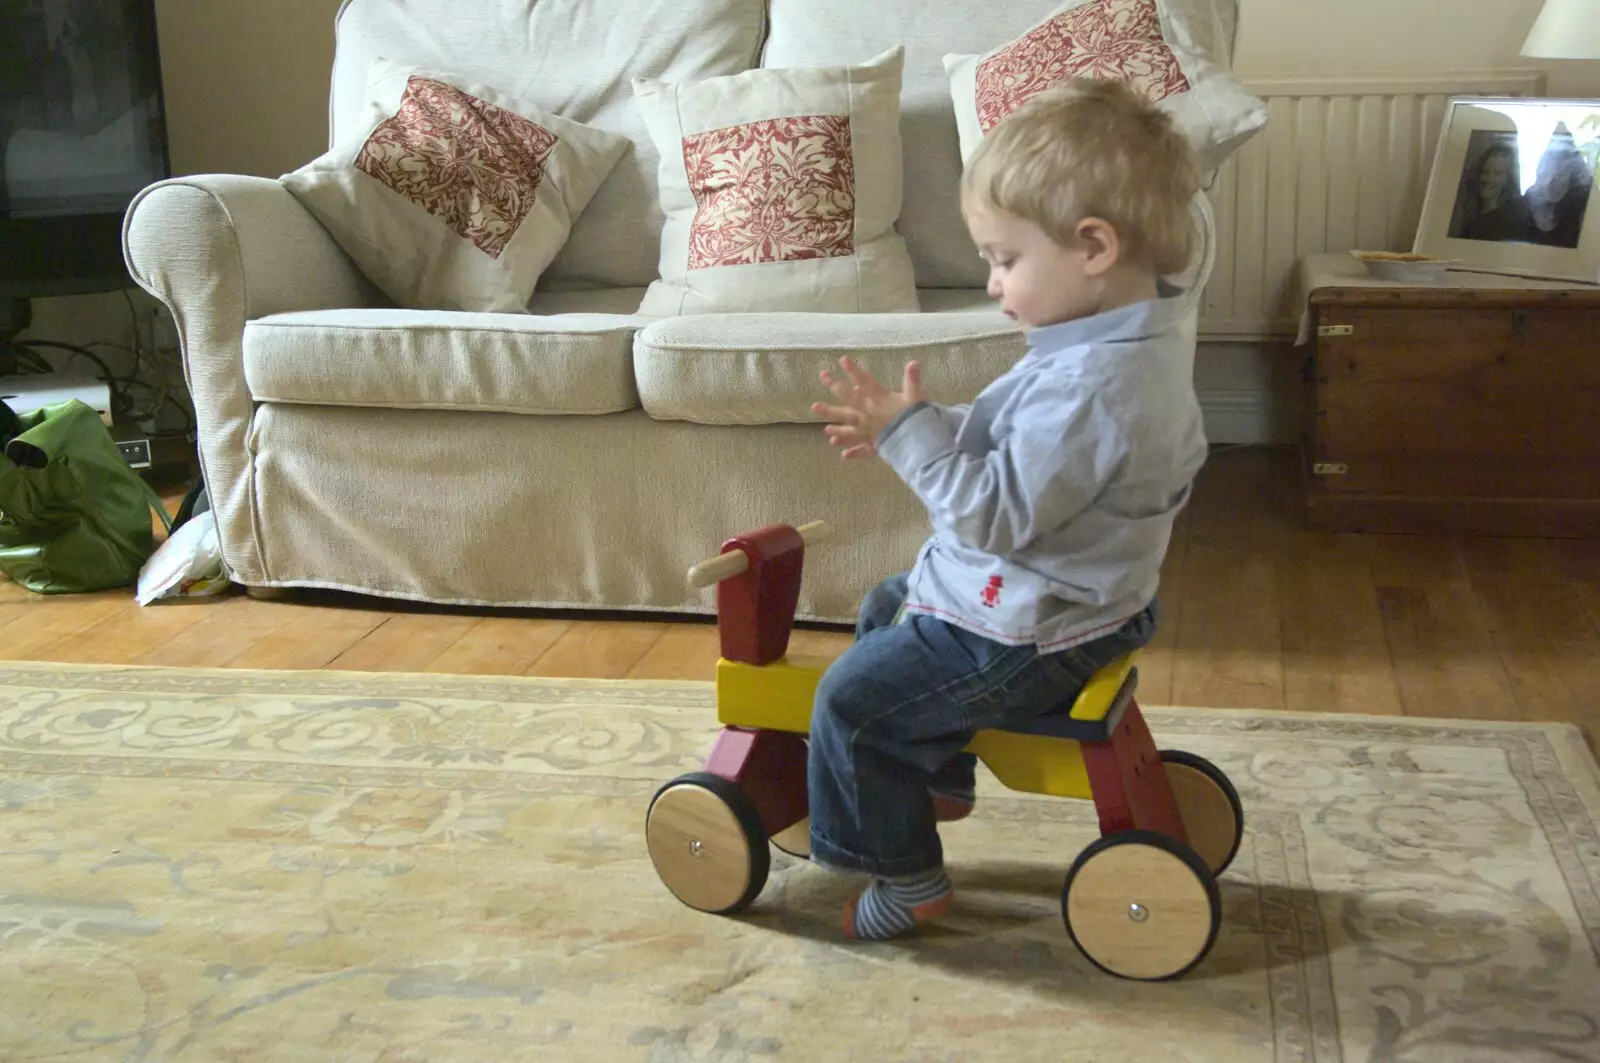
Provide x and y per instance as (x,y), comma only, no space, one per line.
(136,452)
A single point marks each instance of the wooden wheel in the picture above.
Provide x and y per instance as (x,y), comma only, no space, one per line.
(795,840)
(707,843)
(1141,906)
(1208,805)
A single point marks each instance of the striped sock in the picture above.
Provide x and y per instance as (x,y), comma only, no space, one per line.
(890,907)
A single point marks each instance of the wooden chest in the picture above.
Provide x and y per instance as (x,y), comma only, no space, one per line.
(1443,410)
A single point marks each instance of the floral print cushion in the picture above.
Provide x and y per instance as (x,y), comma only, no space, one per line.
(781,189)
(1151,45)
(473,164)
(455,196)
(1115,40)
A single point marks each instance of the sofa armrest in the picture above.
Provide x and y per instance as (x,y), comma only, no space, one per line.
(219,250)
(1202,254)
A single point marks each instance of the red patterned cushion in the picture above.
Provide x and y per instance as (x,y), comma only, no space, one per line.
(781,190)
(1108,39)
(499,181)
(473,164)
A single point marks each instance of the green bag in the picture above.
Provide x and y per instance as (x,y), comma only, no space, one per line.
(73,516)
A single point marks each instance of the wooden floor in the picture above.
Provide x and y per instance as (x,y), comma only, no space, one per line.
(1258,613)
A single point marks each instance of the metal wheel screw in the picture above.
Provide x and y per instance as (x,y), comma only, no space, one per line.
(1137,912)
(695,847)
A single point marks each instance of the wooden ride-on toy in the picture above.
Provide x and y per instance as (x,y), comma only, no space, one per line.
(1140,902)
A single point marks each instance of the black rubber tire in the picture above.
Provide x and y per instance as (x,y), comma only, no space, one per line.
(1215,774)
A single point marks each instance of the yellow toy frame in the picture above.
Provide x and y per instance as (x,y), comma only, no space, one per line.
(779,696)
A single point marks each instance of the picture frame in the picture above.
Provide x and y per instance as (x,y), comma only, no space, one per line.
(1513,188)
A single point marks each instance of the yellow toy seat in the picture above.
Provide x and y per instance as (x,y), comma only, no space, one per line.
(1046,756)
(1043,758)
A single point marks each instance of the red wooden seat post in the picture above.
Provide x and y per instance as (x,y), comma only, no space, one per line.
(755,613)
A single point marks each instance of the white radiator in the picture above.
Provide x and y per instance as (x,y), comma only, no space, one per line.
(1343,163)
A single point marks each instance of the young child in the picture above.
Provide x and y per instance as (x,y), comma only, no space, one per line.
(1052,496)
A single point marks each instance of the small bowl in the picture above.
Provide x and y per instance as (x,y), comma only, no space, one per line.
(1405,268)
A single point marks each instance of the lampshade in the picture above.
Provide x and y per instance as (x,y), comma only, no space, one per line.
(1566,29)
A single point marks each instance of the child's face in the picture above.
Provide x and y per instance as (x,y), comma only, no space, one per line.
(1038,281)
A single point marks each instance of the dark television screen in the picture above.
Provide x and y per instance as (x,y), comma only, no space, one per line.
(81,131)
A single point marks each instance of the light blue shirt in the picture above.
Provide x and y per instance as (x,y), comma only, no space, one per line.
(1053,494)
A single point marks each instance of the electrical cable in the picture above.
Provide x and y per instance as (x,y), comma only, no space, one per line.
(75,351)
(27,358)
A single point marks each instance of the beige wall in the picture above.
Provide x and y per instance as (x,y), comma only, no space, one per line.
(1316,37)
(246,82)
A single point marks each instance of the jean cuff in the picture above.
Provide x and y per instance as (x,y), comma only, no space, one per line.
(837,859)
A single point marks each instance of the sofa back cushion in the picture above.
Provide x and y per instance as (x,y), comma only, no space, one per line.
(816,32)
(577,58)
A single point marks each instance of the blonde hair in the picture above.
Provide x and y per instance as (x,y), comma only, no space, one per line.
(1092,149)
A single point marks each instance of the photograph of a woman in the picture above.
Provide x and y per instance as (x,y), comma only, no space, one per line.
(1489,203)
(1514,188)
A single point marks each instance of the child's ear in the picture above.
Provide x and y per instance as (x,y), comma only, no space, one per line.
(1099,238)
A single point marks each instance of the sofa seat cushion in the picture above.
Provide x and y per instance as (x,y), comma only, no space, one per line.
(750,369)
(575,362)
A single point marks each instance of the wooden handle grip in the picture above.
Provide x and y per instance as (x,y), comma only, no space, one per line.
(714,570)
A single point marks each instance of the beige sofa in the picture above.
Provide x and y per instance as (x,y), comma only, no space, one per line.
(580,455)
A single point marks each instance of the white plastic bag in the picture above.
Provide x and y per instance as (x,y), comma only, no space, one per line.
(188,565)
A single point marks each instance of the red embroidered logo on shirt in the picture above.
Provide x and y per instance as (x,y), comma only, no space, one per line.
(991,593)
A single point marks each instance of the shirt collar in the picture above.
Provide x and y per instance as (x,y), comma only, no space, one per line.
(1136,321)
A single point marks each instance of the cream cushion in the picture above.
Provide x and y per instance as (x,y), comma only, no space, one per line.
(1164,49)
(753,369)
(747,369)
(781,189)
(818,32)
(452,195)
(566,363)
(576,60)
(815,32)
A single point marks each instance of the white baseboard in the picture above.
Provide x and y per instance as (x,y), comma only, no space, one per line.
(1241,417)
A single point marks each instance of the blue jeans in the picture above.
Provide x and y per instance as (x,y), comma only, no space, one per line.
(894,712)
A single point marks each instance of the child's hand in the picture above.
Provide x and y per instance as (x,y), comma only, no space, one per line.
(868,408)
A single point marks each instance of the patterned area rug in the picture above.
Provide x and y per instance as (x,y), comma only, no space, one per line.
(300,866)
